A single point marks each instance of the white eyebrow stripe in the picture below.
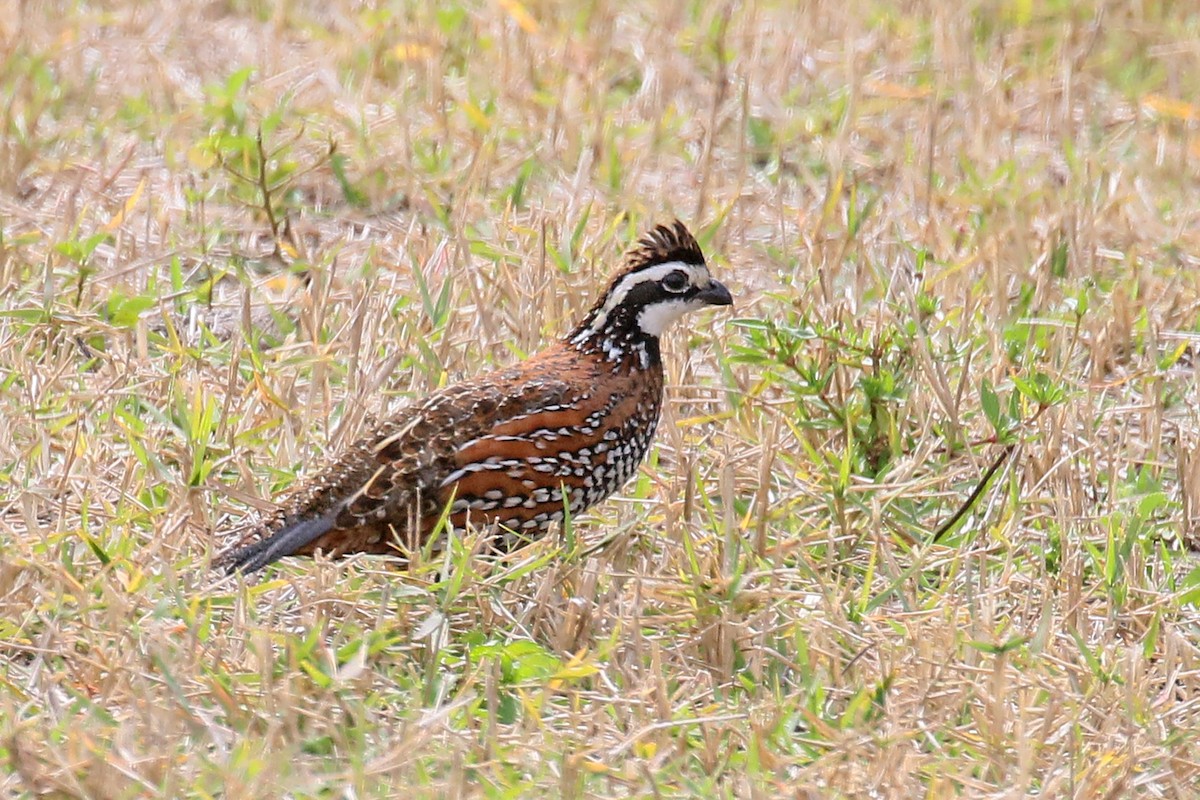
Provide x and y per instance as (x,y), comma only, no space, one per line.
(698,272)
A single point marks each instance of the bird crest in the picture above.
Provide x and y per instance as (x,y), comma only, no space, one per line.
(663,244)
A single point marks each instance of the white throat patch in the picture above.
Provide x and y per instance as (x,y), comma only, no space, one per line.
(654,318)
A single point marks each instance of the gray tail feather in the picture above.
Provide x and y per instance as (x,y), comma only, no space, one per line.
(284,542)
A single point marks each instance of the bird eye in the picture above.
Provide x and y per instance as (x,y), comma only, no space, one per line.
(676,281)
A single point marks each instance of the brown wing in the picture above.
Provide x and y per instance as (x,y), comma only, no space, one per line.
(397,480)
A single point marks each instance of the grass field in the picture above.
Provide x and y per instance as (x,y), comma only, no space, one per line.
(964,245)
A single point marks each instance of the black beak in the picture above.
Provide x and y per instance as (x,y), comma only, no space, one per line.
(716,295)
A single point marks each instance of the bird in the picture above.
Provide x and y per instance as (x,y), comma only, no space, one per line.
(513,451)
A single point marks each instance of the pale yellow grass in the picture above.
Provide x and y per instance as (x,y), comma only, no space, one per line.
(754,624)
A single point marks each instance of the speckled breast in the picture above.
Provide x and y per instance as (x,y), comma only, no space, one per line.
(517,474)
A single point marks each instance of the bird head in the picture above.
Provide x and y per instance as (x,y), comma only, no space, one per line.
(665,276)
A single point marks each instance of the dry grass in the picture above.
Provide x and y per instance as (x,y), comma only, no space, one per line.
(953,231)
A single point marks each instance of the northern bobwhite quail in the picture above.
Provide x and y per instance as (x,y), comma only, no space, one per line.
(503,449)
